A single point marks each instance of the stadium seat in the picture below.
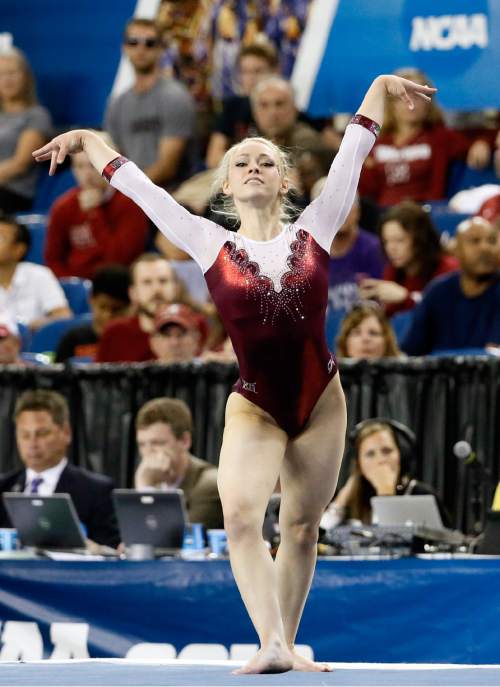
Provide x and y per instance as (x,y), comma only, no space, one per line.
(37,225)
(462,177)
(401,322)
(47,338)
(452,352)
(77,292)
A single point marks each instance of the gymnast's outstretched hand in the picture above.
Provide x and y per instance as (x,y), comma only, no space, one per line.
(56,150)
(59,147)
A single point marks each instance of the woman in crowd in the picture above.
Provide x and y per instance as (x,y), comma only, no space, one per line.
(287,417)
(413,249)
(366,333)
(24,126)
(379,468)
(411,158)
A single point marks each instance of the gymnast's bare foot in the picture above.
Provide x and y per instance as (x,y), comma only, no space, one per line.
(306,665)
(274,658)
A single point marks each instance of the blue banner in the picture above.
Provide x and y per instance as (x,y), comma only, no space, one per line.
(406,610)
(349,42)
(74,49)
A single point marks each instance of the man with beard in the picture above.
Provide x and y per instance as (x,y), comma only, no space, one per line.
(461,309)
(153,284)
(152,122)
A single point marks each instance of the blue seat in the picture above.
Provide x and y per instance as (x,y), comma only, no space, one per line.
(37,225)
(47,337)
(24,335)
(401,322)
(458,351)
(77,292)
(461,177)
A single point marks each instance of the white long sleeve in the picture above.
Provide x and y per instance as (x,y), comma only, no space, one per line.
(197,236)
(325,215)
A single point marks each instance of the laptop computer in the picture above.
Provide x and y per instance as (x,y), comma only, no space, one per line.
(45,522)
(152,518)
(419,511)
(406,510)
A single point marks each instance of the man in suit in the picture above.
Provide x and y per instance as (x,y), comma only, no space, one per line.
(43,435)
(163,431)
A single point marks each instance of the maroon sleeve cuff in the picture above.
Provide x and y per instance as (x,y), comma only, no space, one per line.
(367,123)
(112,166)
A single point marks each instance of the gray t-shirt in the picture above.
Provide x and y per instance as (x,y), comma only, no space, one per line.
(138,121)
(12,125)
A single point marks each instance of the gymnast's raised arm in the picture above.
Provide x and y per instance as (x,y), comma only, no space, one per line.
(326,214)
(198,237)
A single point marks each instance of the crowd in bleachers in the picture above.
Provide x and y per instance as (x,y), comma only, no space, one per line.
(85,277)
(207,74)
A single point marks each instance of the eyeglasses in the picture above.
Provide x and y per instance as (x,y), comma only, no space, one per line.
(146,42)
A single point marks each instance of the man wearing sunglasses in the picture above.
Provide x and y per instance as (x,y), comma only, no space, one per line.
(152,122)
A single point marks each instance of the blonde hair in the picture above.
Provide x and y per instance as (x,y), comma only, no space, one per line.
(433,115)
(223,204)
(28,90)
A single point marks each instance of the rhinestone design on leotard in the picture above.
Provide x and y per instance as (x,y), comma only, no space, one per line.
(294,282)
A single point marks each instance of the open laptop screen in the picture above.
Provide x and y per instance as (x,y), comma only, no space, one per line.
(417,510)
(48,522)
(154,518)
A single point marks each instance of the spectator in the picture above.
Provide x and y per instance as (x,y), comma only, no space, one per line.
(10,342)
(164,432)
(367,334)
(379,468)
(462,309)
(92,225)
(24,125)
(276,115)
(411,158)
(153,122)
(413,249)
(313,165)
(43,436)
(179,334)
(355,254)
(108,301)
(235,120)
(28,292)
(154,284)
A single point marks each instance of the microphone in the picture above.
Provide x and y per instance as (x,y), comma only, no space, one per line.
(463,451)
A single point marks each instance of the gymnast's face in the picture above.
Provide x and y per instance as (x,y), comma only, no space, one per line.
(254,177)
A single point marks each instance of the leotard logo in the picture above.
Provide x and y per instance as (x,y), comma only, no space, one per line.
(249,386)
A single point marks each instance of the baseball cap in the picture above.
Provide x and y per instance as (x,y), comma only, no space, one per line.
(184,316)
(490,209)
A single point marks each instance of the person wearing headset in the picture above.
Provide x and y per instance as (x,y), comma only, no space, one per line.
(379,468)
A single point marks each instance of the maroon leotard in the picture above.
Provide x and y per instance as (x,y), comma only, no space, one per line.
(271,295)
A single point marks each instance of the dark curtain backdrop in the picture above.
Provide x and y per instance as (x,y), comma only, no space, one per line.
(442,400)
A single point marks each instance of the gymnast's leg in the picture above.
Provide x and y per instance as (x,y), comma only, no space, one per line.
(251,456)
(308,479)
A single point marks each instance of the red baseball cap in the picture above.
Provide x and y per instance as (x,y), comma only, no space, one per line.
(490,209)
(185,317)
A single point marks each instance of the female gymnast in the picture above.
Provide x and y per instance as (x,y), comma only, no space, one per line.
(287,416)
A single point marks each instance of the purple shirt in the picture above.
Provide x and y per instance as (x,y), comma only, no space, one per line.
(365,259)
